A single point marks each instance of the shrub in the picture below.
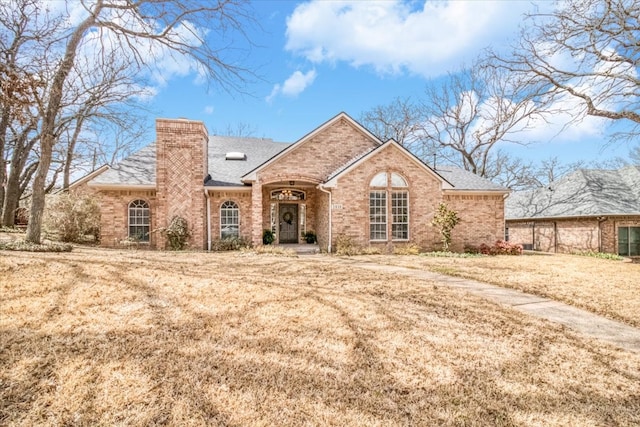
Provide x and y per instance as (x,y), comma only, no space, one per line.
(71,217)
(346,246)
(229,244)
(601,255)
(22,245)
(268,237)
(500,247)
(445,219)
(310,237)
(408,249)
(177,233)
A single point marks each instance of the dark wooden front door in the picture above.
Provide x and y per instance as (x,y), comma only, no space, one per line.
(288,223)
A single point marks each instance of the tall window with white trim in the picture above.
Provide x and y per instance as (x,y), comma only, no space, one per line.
(378,215)
(229,220)
(388,194)
(139,221)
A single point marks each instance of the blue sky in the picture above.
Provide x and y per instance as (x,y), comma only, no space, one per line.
(319,58)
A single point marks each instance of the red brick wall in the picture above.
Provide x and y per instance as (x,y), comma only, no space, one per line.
(309,163)
(481,219)
(114,222)
(482,216)
(242,199)
(181,147)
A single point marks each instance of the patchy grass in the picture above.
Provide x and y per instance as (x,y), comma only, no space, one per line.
(97,337)
(604,286)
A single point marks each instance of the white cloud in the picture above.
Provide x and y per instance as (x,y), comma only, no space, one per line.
(294,85)
(209,109)
(394,36)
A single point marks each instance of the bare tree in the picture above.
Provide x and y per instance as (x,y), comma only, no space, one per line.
(141,30)
(400,120)
(466,115)
(587,51)
(240,130)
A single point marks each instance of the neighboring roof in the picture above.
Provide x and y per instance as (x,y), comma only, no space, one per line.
(225,173)
(585,192)
(251,175)
(139,169)
(464,180)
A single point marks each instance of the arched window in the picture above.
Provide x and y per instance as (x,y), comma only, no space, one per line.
(390,195)
(139,221)
(229,220)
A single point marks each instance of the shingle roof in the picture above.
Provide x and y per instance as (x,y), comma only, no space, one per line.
(137,169)
(229,172)
(585,192)
(464,180)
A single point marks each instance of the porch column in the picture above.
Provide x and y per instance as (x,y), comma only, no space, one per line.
(256,213)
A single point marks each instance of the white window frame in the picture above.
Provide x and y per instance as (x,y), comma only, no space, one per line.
(229,211)
(395,215)
(378,220)
(139,219)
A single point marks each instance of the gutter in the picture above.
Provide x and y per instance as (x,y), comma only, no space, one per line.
(206,195)
(321,188)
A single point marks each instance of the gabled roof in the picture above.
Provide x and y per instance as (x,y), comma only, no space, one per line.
(137,170)
(228,173)
(333,178)
(88,177)
(585,192)
(251,175)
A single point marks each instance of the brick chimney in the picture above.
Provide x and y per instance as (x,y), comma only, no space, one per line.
(181,165)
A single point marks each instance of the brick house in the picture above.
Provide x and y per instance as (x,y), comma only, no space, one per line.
(337,180)
(587,210)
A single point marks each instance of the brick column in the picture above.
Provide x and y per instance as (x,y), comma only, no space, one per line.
(256,213)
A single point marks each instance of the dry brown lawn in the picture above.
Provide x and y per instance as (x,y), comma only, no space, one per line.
(607,287)
(97,337)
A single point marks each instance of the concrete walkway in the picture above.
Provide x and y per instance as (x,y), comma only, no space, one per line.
(584,322)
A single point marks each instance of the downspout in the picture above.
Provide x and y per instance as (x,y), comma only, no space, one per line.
(319,187)
(206,195)
(555,237)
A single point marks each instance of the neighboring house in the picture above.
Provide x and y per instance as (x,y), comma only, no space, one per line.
(587,210)
(337,180)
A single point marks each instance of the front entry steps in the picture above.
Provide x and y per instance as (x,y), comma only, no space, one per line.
(301,248)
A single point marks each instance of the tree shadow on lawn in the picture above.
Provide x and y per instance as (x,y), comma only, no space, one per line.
(313,350)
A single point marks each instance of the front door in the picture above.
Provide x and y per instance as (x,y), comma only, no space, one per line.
(288,223)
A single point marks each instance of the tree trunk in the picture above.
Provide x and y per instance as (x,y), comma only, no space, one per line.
(48,137)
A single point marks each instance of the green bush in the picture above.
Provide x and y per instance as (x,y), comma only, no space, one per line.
(71,217)
(310,237)
(267,237)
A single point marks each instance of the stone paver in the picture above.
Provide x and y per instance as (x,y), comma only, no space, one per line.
(581,321)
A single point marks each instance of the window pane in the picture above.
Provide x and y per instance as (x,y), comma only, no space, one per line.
(623,241)
(229,220)
(380,180)
(378,215)
(139,220)
(634,241)
(400,215)
(397,181)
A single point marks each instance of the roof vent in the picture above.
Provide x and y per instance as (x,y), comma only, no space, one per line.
(235,155)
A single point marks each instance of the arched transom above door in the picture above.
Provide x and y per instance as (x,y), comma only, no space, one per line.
(288,194)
